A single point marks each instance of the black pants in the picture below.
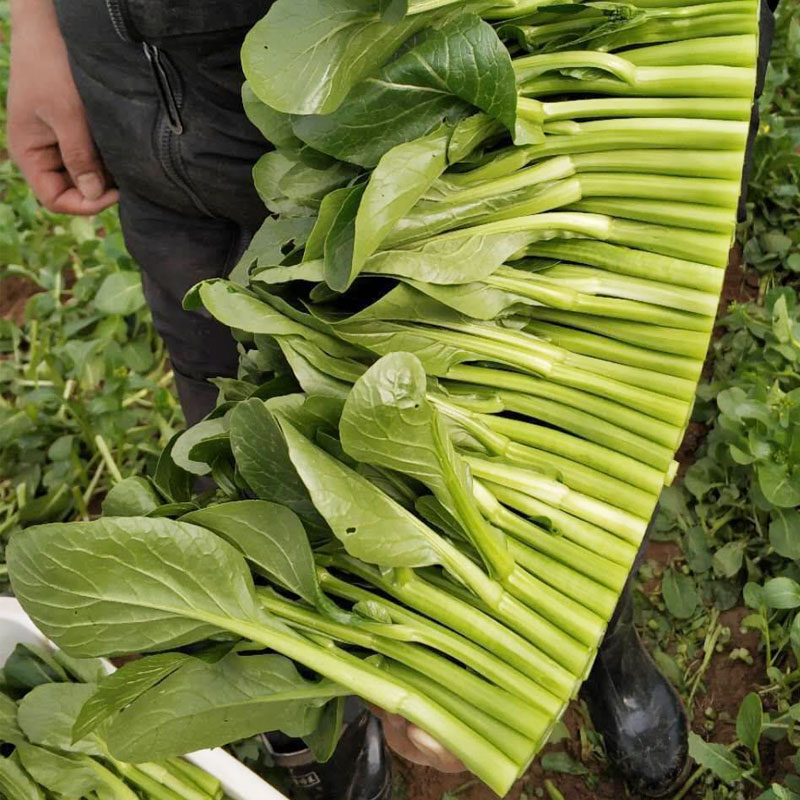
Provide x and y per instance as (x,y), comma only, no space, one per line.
(161,83)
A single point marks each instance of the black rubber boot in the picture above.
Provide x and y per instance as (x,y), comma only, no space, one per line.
(637,710)
(360,769)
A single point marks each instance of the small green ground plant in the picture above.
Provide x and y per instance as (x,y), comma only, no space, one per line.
(84,381)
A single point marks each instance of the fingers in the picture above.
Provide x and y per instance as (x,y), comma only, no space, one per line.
(438,757)
(415,745)
(78,153)
(43,168)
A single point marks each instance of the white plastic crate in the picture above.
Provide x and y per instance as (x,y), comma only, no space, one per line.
(239,782)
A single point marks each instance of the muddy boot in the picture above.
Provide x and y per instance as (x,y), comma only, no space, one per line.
(637,710)
(360,769)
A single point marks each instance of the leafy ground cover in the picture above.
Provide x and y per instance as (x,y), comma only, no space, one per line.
(85,399)
(84,383)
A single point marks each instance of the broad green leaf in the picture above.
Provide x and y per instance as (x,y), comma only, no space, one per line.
(697,550)
(52,507)
(728,559)
(289,186)
(679,593)
(563,763)
(324,739)
(784,533)
(385,338)
(715,757)
(782,593)
(270,536)
(15,783)
(753,595)
(457,67)
(83,670)
(269,244)
(9,729)
(48,713)
(132,497)
(120,293)
(120,688)
(275,126)
(67,775)
(262,457)
(461,256)
(780,485)
(387,420)
(340,241)
(393,10)
(315,246)
(402,176)
(240,310)
(207,705)
(14,424)
(370,525)
(749,721)
(172,481)
(28,667)
(134,572)
(306,55)
(189,439)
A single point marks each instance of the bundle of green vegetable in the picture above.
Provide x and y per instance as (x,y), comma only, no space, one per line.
(41,695)
(470,338)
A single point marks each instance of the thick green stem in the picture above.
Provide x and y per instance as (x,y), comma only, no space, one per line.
(557,294)
(582,532)
(637,263)
(164,777)
(590,344)
(208,783)
(575,448)
(598,107)
(529,67)
(578,372)
(598,281)
(475,625)
(153,788)
(686,81)
(425,631)
(517,747)
(574,474)
(474,690)
(680,215)
(580,588)
(627,526)
(492,548)
(709,191)
(729,51)
(569,614)
(654,31)
(558,547)
(658,338)
(586,414)
(370,683)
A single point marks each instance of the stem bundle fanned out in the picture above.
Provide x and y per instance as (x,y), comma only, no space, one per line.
(471,336)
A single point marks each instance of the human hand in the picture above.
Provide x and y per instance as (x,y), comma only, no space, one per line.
(48,135)
(413,744)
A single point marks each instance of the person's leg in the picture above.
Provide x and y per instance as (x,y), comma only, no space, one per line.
(181,150)
(176,251)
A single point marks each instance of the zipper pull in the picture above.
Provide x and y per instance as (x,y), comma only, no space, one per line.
(165,89)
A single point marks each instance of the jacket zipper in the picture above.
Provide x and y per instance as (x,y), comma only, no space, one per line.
(171,95)
(171,125)
(118,20)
